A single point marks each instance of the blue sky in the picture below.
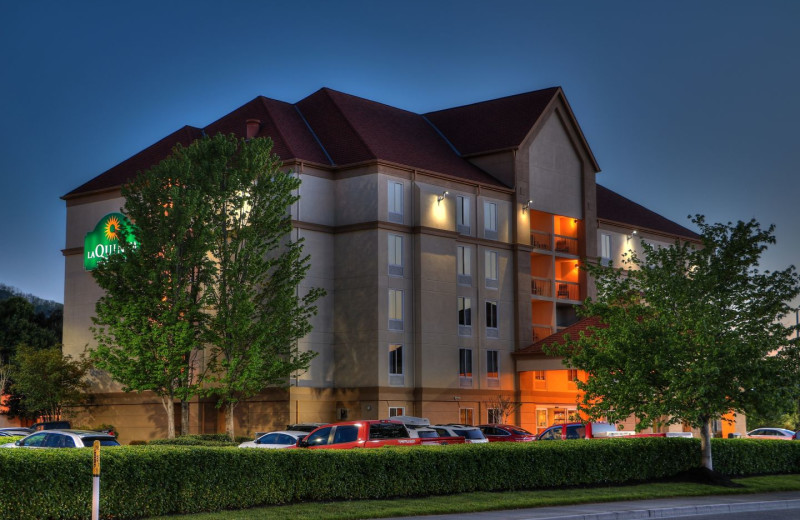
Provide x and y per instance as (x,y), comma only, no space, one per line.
(689,107)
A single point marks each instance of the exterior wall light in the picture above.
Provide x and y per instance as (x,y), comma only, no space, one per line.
(633,234)
(527,206)
(441,197)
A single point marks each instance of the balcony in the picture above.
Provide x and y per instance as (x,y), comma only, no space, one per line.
(568,290)
(566,245)
(542,287)
(541,240)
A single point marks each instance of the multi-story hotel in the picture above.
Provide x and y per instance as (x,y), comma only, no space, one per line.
(449,244)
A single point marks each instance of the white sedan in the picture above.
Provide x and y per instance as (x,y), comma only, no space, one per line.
(771,433)
(273,440)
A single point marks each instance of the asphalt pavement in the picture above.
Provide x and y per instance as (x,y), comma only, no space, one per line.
(678,507)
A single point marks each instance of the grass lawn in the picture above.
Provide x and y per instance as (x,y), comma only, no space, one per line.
(482,501)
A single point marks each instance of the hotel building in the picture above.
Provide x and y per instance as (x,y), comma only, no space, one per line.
(449,244)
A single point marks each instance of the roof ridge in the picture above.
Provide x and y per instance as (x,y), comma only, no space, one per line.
(327,91)
(510,96)
(314,134)
(262,100)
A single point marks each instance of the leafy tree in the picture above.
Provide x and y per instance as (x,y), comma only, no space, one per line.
(688,334)
(149,322)
(256,313)
(19,324)
(48,382)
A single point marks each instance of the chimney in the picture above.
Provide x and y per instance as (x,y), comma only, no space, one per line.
(253,126)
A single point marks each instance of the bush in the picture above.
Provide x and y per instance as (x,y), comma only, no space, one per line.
(206,439)
(157,480)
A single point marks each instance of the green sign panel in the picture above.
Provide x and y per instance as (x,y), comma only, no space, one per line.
(104,240)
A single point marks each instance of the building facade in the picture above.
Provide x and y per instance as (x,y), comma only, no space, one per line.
(448,244)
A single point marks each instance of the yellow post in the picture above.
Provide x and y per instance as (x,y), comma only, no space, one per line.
(96,480)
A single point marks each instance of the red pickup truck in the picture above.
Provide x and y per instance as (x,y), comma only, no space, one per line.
(367,434)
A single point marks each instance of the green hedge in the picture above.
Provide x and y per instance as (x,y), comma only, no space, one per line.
(142,481)
(206,439)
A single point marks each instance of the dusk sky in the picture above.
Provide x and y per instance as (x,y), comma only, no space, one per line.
(689,107)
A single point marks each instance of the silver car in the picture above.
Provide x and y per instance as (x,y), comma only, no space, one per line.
(471,434)
(274,440)
(63,439)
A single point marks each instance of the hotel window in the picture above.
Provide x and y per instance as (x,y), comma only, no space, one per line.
(395,309)
(491,319)
(605,249)
(491,269)
(464,265)
(462,215)
(465,416)
(396,364)
(539,380)
(395,202)
(465,366)
(492,369)
(494,416)
(541,418)
(395,255)
(396,411)
(464,316)
(572,375)
(490,220)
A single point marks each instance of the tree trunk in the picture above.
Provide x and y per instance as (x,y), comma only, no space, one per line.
(229,420)
(169,406)
(184,417)
(705,445)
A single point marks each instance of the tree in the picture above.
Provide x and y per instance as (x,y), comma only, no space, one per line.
(48,382)
(256,312)
(149,323)
(20,324)
(688,334)
(505,406)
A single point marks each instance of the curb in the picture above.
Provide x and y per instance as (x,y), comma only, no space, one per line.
(669,512)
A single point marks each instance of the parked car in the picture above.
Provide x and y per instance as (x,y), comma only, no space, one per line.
(15,431)
(63,439)
(422,433)
(471,434)
(597,430)
(771,433)
(367,434)
(273,440)
(51,425)
(506,433)
(300,427)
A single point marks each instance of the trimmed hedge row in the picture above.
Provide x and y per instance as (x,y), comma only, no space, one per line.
(205,439)
(142,481)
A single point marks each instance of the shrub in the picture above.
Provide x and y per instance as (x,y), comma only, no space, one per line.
(139,481)
(206,439)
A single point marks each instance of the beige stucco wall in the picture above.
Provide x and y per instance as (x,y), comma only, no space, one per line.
(555,171)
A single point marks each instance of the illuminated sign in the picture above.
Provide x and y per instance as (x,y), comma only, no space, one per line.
(104,240)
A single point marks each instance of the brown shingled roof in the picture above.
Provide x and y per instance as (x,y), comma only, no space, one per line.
(498,124)
(573,332)
(355,130)
(614,207)
(127,169)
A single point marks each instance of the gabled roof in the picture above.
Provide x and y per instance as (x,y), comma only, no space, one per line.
(354,130)
(615,208)
(573,332)
(127,169)
(498,124)
(282,122)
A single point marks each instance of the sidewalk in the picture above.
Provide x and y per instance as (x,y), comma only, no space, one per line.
(638,509)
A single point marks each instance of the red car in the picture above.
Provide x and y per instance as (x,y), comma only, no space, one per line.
(506,433)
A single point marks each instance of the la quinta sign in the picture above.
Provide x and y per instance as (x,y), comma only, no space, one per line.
(104,240)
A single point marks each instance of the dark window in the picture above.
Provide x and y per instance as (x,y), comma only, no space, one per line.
(285,439)
(551,435)
(104,441)
(345,434)
(465,362)
(34,440)
(426,434)
(491,315)
(387,431)
(270,438)
(576,432)
(469,434)
(320,437)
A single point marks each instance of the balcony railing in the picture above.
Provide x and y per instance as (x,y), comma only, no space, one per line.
(566,245)
(542,287)
(568,290)
(541,240)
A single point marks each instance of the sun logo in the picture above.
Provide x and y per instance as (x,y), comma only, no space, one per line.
(111,228)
